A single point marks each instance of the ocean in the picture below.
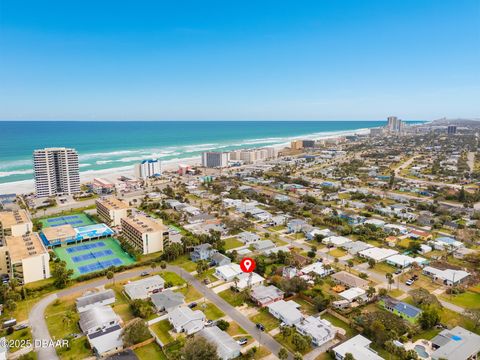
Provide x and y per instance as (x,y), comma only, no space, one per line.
(120,144)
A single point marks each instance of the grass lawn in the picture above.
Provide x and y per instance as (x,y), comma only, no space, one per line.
(262,352)
(232,243)
(324,356)
(427,335)
(190,293)
(185,263)
(468,299)
(169,276)
(337,253)
(235,329)
(150,352)
(279,242)
(20,335)
(287,342)
(384,268)
(161,329)
(231,297)
(306,307)
(207,275)
(277,228)
(121,305)
(79,349)
(349,332)
(55,314)
(211,311)
(266,319)
(395,292)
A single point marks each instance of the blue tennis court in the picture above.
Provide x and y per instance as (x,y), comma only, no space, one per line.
(84,247)
(76,220)
(93,256)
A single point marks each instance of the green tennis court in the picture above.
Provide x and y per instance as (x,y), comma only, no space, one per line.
(76,220)
(93,256)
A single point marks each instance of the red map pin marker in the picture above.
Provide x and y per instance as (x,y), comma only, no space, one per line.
(247,265)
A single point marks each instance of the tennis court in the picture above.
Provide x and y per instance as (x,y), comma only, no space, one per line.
(76,220)
(93,256)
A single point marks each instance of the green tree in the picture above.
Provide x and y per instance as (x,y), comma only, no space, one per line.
(111,275)
(61,275)
(371,263)
(141,308)
(429,317)
(297,356)
(135,332)
(283,354)
(198,348)
(348,356)
(299,341)
(223,324)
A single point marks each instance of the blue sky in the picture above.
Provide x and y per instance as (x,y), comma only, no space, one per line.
(168,60)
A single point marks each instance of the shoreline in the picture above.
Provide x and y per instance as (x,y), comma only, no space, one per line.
(111,174)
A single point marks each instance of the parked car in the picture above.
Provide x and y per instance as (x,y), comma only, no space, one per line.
(192,305)
(397,272)
(206,281)
(20,327)
(242,341)
(209,323)
(409,282)
(260,327)
(415,277)
(144,273)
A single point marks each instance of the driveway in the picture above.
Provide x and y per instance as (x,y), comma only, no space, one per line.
(40,329)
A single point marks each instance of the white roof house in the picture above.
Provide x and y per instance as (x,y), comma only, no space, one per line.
(310,235)
(321,331)
(456,344)
(228,272)
(144,288)
(375,222)
(248,237)
(249,280)
(264,295)
(98,318)
(286,311)
(105,341)
(316,268)
(448,276)
(355,247)
(184,319)
(336,240)
(397,228)
(377,254)
(227,347)
(358,346)
(403,261)
(353,294)
(92,299)
(263,245)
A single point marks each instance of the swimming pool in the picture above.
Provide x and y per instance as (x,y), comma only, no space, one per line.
(420,349)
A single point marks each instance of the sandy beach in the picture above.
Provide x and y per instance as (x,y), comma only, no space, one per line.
(27,186)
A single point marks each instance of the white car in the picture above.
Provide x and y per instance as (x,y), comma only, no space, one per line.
(409,282)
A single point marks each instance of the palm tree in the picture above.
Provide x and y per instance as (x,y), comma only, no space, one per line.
(389,277)
(371,292)
(68,318)
(110,276)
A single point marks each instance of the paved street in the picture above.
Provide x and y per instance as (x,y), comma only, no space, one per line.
(40,329)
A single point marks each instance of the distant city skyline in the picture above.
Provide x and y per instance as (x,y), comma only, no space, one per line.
(216,60)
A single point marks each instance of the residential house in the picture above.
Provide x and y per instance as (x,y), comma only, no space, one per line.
(202,252)
(219,259)
(316,269)
(289,272)
(103,329)
(248,280)
(248,237)
(184,319)
(399,308)
(403,261)
(354,294)
(286,311)
(144,288)
(354,247)
(448,277)
(263,245)
(358,346)
(336,241)
(228,272)
(349,280)
(320,331)
(265,295)
(92,299)
(167,300)
(456,344)
(296,225)
(377,254)
(227,347)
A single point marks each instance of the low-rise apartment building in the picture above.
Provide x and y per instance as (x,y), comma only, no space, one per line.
(112,210)
(25,258)
(14,223)
(144,233)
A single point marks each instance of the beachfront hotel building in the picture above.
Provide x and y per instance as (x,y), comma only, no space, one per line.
(25,258)
(111,210)
(148,168)
(249,156)
(215,159)
(144,233)
(14,223)
(56,172)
